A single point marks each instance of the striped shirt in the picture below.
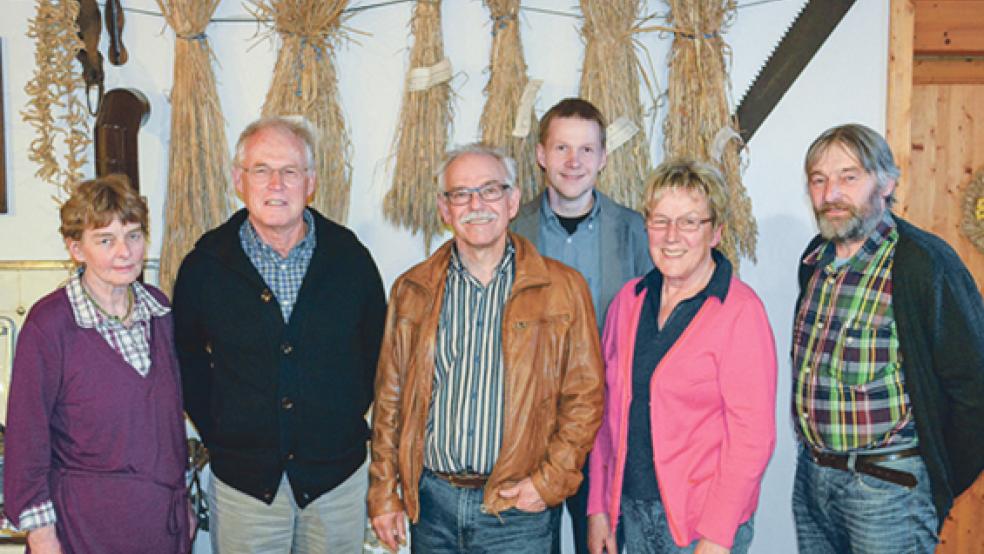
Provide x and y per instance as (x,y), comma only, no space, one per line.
(284,276)
(132,342)
(464,425)
(848,390)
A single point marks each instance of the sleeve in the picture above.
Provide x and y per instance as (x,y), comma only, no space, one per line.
(33,517)
(382,497)
(35,385)
(373,324)
(958,361)
(580,402)
(747,382)
(191,343)
(603,453)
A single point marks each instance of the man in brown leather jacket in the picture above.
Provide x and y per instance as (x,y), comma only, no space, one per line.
(489,388)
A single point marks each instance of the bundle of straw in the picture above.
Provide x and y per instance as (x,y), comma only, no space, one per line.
(698,109)
(54,108)
(305,83)
(610,81)
(198,157)
(422,134)
(507,81)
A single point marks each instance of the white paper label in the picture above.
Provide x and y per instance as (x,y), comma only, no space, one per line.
(423,78)
(524,113)
(619,132)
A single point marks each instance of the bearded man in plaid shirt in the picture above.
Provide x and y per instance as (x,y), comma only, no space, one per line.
(888,363)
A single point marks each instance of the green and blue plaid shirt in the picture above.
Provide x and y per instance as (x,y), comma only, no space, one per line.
(848,389)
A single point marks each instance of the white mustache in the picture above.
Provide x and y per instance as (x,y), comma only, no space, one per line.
(482,215)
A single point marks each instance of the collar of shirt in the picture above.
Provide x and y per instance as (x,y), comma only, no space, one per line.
(255,246)
(506,264)
(718,286)
(825,254)
(547,213)
(145,306)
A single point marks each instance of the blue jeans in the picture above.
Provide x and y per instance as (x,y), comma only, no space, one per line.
(451,521)
(842,512)
(647,531)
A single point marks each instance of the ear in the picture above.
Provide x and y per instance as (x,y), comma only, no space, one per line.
(716,236)
(74,248)
(238,180)
(604,158)
(888,188)
(444,209)
(541,155)
(514,196)
(310,185)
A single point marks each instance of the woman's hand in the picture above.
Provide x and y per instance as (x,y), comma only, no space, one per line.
(601,540)
(43,540)
(705,546)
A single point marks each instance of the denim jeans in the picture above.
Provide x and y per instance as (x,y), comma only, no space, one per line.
(842,512)
(647,531)
(451,521)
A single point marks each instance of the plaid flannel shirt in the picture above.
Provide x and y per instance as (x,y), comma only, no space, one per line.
(284,276)
(848,390)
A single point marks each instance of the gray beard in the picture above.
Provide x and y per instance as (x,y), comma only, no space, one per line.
(861,223)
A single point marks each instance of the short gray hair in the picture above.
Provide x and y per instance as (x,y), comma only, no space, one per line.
(480,149)
(295,125)
(865,144)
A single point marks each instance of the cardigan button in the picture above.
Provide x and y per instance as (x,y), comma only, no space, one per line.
(286,348)
(266,295)
(268,495)
(286,403)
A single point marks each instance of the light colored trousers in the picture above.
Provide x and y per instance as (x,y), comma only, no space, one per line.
(334,523)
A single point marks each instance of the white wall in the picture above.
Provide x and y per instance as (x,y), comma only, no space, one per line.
(844,82)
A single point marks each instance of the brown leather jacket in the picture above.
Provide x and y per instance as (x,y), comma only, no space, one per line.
(554,383)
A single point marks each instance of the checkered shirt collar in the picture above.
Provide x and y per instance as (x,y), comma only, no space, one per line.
(87,316)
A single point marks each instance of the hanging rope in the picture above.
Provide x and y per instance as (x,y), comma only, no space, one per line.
(610,80)
(421,139)
(58,116)
(198,157)
(507,121)
(699,122)
(305,83)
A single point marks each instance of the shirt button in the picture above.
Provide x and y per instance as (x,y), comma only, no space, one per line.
(286,403)
(805,415)
(819,325)
(849,340)
(283,267)
(569,240)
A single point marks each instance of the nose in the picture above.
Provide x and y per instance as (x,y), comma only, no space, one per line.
(475,200)
(123,249)
(572,159)
(672,232)
(276,179)
(831,190)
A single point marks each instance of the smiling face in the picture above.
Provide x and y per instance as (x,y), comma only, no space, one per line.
(847,200)
(275,208)
(682,257)
(479,224)
(113,255)
(571,154)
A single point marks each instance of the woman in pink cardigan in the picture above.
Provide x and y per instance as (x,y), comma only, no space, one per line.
(689,421)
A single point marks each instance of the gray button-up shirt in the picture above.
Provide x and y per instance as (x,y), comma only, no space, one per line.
(582,250)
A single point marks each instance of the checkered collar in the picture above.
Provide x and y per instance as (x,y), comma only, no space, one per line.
(87,316)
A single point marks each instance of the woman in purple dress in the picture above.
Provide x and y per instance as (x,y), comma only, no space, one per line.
(95,441)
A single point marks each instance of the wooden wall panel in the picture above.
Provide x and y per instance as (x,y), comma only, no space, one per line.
(947,148)
(949,27)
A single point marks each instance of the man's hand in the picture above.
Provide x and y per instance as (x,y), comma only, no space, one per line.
(601,540)
(43,540)
(527,497)
(391,529)
(705,546)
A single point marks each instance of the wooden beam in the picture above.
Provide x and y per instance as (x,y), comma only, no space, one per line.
(898,123)
(949,27)
(948,71)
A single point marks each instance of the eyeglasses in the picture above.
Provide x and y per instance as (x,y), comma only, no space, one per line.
(290,175)
(489,192)
(686,224)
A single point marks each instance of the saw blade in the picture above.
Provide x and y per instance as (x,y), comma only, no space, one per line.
(814,23)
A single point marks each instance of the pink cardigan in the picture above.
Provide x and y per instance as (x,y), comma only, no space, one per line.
(712,412)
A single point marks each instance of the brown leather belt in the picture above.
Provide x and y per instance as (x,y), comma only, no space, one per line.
(463,480)
(867,464)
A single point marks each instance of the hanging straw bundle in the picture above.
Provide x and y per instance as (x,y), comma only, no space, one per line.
(699,122)
(54,108)
(423,128)
(198,157)
(610,81)
(305,83)
(507,121)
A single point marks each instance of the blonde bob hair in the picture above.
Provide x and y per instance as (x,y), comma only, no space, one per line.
(695,177)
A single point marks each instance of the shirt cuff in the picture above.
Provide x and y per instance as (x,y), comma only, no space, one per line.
(32,518)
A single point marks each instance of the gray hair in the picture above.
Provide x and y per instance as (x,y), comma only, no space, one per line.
(477,148)
(294,125)
(863,143)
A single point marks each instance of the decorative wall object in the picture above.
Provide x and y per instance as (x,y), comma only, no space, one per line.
(198,157)
(508,120)
(305,83)
(422,134)
(3,148)
(699,123)
(56,112)
(973,211)
(610,80)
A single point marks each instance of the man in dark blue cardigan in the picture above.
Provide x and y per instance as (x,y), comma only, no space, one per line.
(278,320)
(888,363)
